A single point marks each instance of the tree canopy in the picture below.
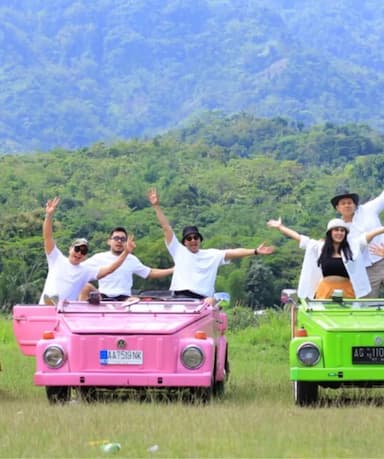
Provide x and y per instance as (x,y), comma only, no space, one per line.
(227,175)
(73,72)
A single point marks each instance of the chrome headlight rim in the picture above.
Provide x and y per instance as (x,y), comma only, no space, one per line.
(304,347)
(192,357)
(51,360)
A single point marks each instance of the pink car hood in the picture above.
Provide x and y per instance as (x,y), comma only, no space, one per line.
(128,323)
(31,321)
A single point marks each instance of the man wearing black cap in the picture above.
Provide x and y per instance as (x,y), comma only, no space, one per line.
(67,275)
(195,268)
(362,219)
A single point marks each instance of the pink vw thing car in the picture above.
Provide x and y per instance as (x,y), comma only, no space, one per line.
(148,344)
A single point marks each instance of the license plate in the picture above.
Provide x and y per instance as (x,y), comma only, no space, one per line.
(368,354)
(121,357)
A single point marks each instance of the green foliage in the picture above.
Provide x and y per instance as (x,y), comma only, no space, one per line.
(229,196)
(73,73)
(259,286)
(240,317)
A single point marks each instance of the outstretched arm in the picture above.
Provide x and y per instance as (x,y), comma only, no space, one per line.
(371,234)
(50,208)
(263,249)
(157,273)
(153,198)
(284,229)
(129,247)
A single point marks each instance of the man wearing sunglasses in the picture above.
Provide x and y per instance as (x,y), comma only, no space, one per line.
(118,285)
(68,275)
(195,268)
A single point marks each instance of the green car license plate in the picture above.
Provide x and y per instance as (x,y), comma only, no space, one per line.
(368,354)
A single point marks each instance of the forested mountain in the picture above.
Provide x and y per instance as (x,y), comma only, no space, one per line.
(75,72)
(228,175)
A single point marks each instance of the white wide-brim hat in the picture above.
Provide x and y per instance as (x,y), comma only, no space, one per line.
(337,223)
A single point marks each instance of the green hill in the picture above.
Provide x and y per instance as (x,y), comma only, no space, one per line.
(228,176)
(77,72)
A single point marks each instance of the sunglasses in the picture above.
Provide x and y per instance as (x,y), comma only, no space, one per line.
(119,238)
(195,237)
(83,249)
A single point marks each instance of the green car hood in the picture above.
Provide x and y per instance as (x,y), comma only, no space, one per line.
(350,320)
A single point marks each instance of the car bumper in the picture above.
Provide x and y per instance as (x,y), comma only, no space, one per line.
(358,374)
(123,380)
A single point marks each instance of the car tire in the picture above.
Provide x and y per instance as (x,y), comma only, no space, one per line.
(305,393)
(88,394)
(218,389)
(58,394)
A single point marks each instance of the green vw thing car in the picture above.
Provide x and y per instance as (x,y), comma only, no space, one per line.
(336,343)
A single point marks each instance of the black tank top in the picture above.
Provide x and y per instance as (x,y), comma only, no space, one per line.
(334,267)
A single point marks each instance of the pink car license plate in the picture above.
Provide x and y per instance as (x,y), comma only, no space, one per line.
(121,357)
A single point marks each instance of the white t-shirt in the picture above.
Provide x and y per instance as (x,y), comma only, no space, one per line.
(65,279)
(311,274)
(120,281)
(195,271)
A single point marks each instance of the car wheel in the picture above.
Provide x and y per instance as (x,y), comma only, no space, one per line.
(305,393)
(218,388)
(58,394)
(199,395)
(88,394)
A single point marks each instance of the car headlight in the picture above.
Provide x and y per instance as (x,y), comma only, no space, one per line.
(54,356)
(308,354)
(192,357)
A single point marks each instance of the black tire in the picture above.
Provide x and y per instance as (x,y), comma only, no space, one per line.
(218,389)
(305,393)
(197,395)
(58,394)
(88,394)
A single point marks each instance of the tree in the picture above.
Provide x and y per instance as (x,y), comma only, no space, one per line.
(259,286)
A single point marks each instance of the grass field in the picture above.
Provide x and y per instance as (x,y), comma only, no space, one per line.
(255,419)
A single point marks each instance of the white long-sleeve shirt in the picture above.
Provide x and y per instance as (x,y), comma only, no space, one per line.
(365,219)
(311,274)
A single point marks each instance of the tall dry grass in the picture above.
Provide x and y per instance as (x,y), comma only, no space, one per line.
(255,419)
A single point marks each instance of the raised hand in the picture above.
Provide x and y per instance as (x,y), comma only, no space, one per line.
(51,205)
(274,223)
(153,197)
(131,244)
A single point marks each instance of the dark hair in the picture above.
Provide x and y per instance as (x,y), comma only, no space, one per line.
(327,250)
(118,228)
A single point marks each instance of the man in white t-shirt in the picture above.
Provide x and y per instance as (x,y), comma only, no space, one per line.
(195,268)
(118,285)
(68,275)
(363,218)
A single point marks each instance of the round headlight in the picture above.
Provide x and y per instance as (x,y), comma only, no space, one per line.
(308,354)
(54,356)
(192,357)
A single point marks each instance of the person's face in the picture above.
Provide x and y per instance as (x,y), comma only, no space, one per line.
(192,242)
(346,207)
(77,254)
(338,234)
(117,242)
